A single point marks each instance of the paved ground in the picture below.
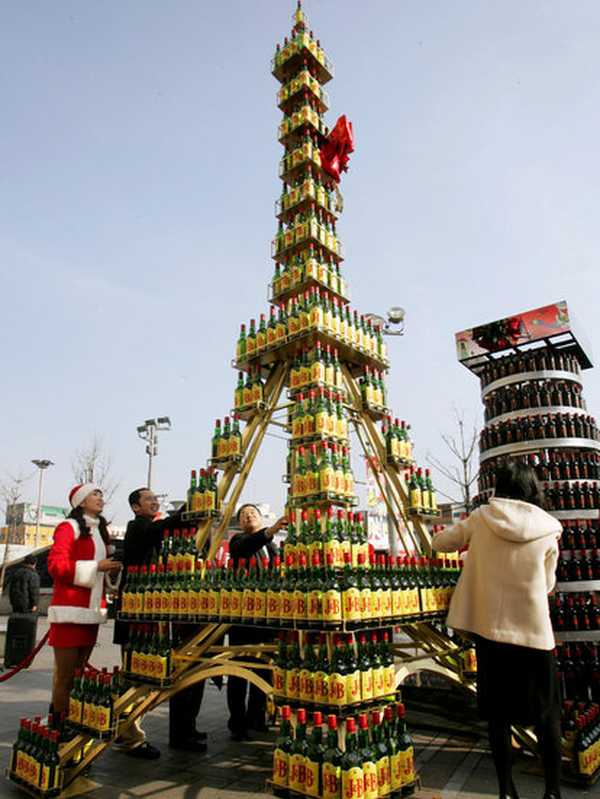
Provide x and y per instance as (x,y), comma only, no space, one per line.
(452,752)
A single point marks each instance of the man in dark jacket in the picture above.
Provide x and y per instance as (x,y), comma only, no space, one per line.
(24,589)
(254,540)
(143,541)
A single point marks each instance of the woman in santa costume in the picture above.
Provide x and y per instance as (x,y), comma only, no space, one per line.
(78,564)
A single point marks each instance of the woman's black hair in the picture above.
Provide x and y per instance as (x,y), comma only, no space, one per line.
(515,480)
(247,505)
(84,530)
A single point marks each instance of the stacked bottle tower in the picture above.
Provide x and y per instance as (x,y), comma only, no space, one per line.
(530,369)
(314,367)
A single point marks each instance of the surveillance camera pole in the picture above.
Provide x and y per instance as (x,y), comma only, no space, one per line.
(42,464)
(149,433)
(150,451)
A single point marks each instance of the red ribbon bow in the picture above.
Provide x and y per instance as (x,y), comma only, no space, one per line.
(335,153)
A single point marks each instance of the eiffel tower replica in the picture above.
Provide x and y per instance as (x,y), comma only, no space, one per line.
(314,368)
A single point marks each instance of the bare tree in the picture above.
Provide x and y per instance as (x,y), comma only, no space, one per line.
(93,464)
(463,447)
(11,492)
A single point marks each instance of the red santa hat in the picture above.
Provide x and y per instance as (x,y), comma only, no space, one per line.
(78,493)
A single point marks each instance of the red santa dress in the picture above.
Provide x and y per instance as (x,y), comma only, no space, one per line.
(78,605)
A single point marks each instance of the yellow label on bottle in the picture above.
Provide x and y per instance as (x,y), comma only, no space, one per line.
(287,605)
(213,603)
(366,604)
(396,771)
(337,689)
(36,772)
(300,605)
(332,783)
(184,603)
(321,687)
(376,603)
(92,715)
(280,767)
(311,785)
(353,687)
(307,686)
(315,605)
(273,605)
(278,681)
(321,422)
(378,682)
(165,602)
(103,719)
(139,603)
(45,778)
(260,605)
(247,603)
(149,603)
(162,667)
(397,603)
(353,783)
(386,603)
(297,779)
(384,782)
(352,607)
(193,602)
(366,685)
(333,547)
(332,606)
(326,479)
(317,372)
(236,604)
(74,710)
(389,679)
(292,684)
(312,483)
(407,766)
(309,419)
(370,777)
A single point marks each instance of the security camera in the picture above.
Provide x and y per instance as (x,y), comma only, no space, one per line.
(396,315)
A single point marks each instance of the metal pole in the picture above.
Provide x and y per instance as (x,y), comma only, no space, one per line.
(392,537)
(150,450)
(39,509)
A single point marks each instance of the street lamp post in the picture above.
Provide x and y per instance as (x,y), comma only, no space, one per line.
(42,464)
(394,326)
(149,433)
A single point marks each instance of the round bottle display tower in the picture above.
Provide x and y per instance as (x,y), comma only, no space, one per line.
(530,369)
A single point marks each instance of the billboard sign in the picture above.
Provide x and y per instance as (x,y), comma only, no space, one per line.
(541,323)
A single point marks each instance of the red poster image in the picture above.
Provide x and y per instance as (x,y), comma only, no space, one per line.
(541,323)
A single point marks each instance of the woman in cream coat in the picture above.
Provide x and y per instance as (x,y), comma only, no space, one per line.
(501,600)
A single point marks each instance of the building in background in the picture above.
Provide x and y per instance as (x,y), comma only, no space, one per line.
(22,523)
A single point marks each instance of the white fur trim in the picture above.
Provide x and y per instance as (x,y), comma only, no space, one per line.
(82,492)
(69,614)
(85,573)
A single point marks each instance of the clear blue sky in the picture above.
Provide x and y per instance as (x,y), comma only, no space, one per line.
(138,171)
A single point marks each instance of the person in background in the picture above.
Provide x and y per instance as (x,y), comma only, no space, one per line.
(143,541)
(24,588)
(254,540)
(78,564)
(501,599)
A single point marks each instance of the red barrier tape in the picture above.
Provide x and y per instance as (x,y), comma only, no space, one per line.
(25,662)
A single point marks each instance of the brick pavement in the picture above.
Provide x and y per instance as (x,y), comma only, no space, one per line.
(452,752)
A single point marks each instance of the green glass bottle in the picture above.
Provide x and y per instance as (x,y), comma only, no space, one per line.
(281,757)
(369,761)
